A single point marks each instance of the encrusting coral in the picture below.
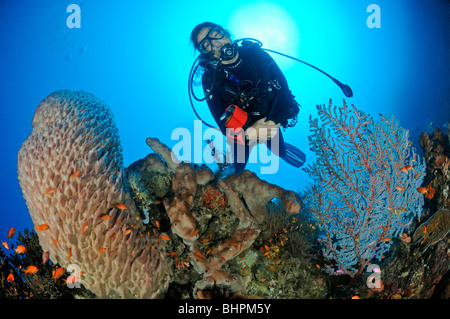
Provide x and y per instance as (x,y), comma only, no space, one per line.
(72,176)
(256,194)
(433,230)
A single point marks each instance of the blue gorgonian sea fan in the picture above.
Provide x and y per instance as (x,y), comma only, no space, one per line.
(366,176)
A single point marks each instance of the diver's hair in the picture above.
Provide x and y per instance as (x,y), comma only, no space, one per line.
(200,26)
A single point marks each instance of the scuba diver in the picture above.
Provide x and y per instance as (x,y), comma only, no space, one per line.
(247,95)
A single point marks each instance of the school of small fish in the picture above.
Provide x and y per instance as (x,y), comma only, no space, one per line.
(31,269)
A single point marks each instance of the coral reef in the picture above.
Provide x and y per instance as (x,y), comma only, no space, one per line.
(436,149)
(255,193)
(72,176)
(122,228)
(165,228)
(41,285)
(366,192)
(417,267)
(433,230)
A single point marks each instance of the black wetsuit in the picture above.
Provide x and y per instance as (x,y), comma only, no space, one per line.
(256,84)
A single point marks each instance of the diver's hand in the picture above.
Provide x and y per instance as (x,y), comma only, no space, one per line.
(262,130)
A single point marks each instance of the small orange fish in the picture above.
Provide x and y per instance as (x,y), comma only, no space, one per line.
(267,247)
(153,248)
(55,241)
(282,243)
(424,229)
(75,174)
(204,240)
(42,227)
(49,191)
(105,217)
(157,223)
(84,228)
(127,232)
(405,168)
(223,258)
(262,279)
(20,249)
(70,253)
(243,256)
(5,244)
(198,258)
(386,238)
(58,273)
(194,233)
(71,279)
(31,270)
(171,254)
(10,278)
(11,233)
(121,206)
(272,267)
(165,237)
(101,250)
(199,254)
(244,268)
(422,190)
(208,252)
(399,188)
(355,297)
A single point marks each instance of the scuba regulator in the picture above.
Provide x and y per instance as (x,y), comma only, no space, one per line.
(228,51)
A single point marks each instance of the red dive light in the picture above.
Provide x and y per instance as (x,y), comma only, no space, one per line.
(234,117)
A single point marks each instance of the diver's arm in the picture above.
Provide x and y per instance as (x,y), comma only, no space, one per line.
(216,107)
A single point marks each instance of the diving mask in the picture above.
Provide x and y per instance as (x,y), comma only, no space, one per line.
(227,51)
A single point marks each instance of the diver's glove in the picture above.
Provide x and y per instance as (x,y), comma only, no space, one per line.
(262,130)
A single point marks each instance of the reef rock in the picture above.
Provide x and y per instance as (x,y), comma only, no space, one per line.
(247,196)
(433,230)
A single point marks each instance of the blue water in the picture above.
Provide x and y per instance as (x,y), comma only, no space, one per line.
(136,57)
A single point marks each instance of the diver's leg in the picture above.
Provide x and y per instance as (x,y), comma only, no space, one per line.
(276,145)
(240,154)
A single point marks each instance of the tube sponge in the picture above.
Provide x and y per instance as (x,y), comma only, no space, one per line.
(72,176)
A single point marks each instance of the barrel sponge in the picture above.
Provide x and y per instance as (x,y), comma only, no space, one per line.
(72,177)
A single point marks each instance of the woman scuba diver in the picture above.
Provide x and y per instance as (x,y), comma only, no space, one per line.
(247,94)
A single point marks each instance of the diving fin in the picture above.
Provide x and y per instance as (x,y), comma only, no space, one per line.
(294,156)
